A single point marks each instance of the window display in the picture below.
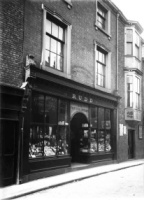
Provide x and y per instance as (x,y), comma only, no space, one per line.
(49,134)
(63,140)
(97,137)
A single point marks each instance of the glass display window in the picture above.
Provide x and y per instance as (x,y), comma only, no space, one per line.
(101,141)
(50,143)
(50,110)
(94,116)
(38,108)
(36,142)
(49,130)
(62,113)
(63,140)
(93,141)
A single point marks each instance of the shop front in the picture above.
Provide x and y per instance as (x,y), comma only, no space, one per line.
(66,122)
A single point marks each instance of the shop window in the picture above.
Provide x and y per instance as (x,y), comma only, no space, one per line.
(48,137)
(56,44)
(98,136)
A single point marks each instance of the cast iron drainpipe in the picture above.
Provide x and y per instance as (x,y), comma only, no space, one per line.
(117,86)
(20,153)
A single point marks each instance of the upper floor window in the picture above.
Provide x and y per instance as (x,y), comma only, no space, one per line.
(129,41)
(133,91)
(56,44)
(102,18)
(100,67)
(132,43)
(137,44)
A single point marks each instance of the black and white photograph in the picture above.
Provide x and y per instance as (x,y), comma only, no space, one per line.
(72,99)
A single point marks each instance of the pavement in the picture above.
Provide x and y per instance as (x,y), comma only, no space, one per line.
(16,191)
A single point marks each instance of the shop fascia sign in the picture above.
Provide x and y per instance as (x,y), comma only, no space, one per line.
(82,98)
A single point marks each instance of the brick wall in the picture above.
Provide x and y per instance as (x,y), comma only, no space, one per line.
(11,42)
(82,17)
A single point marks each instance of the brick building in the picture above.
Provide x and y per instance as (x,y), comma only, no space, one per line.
(70,66)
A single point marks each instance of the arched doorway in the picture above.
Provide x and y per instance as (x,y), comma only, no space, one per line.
(75,125)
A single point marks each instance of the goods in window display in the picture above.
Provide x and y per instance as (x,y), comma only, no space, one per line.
(34,151)
(62,147)
(93,145)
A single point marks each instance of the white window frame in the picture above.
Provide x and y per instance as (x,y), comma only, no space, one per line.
(107,29)
(134,76)
(67,46)
(107,87)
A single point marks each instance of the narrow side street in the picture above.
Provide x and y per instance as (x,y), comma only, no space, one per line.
(123,184)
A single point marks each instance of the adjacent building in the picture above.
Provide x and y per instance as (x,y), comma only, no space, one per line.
(76,71)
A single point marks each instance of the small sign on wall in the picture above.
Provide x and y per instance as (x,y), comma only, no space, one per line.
(140,131)
(121,129)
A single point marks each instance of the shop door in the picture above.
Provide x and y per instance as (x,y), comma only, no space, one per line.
(76,124)
(131,134)
(8,152)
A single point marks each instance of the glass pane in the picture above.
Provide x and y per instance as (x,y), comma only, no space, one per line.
(63,140)
(59,49)
(129,35)
(63,113)
(100,80)
(129,48)
(59,63)
(60,33)
(108,141)
(51,110)
(53,60)
(84,140)
(54,30)
(137,51)
(47,58)
(107,119)
(36,141)
(38,108)
(94,117)
(101,118)
(48,26)
(93,141)
(100,69)
(101,145)
(47,43)
(50,144)
(53,45)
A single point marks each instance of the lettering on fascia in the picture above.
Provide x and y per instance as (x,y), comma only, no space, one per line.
(82,98)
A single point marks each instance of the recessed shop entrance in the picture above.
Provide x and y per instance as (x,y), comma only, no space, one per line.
(75,125)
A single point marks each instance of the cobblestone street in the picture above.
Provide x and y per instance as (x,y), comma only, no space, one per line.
(123,184)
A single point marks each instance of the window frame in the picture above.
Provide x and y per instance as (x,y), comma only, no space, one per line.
(49,138)
(107,18)
(107,86)
(58,19)
(134,76)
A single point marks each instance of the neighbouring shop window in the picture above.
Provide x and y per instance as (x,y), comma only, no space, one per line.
(98,136)
(49,131)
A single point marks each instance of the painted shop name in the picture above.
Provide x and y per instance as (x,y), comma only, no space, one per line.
(82,98)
